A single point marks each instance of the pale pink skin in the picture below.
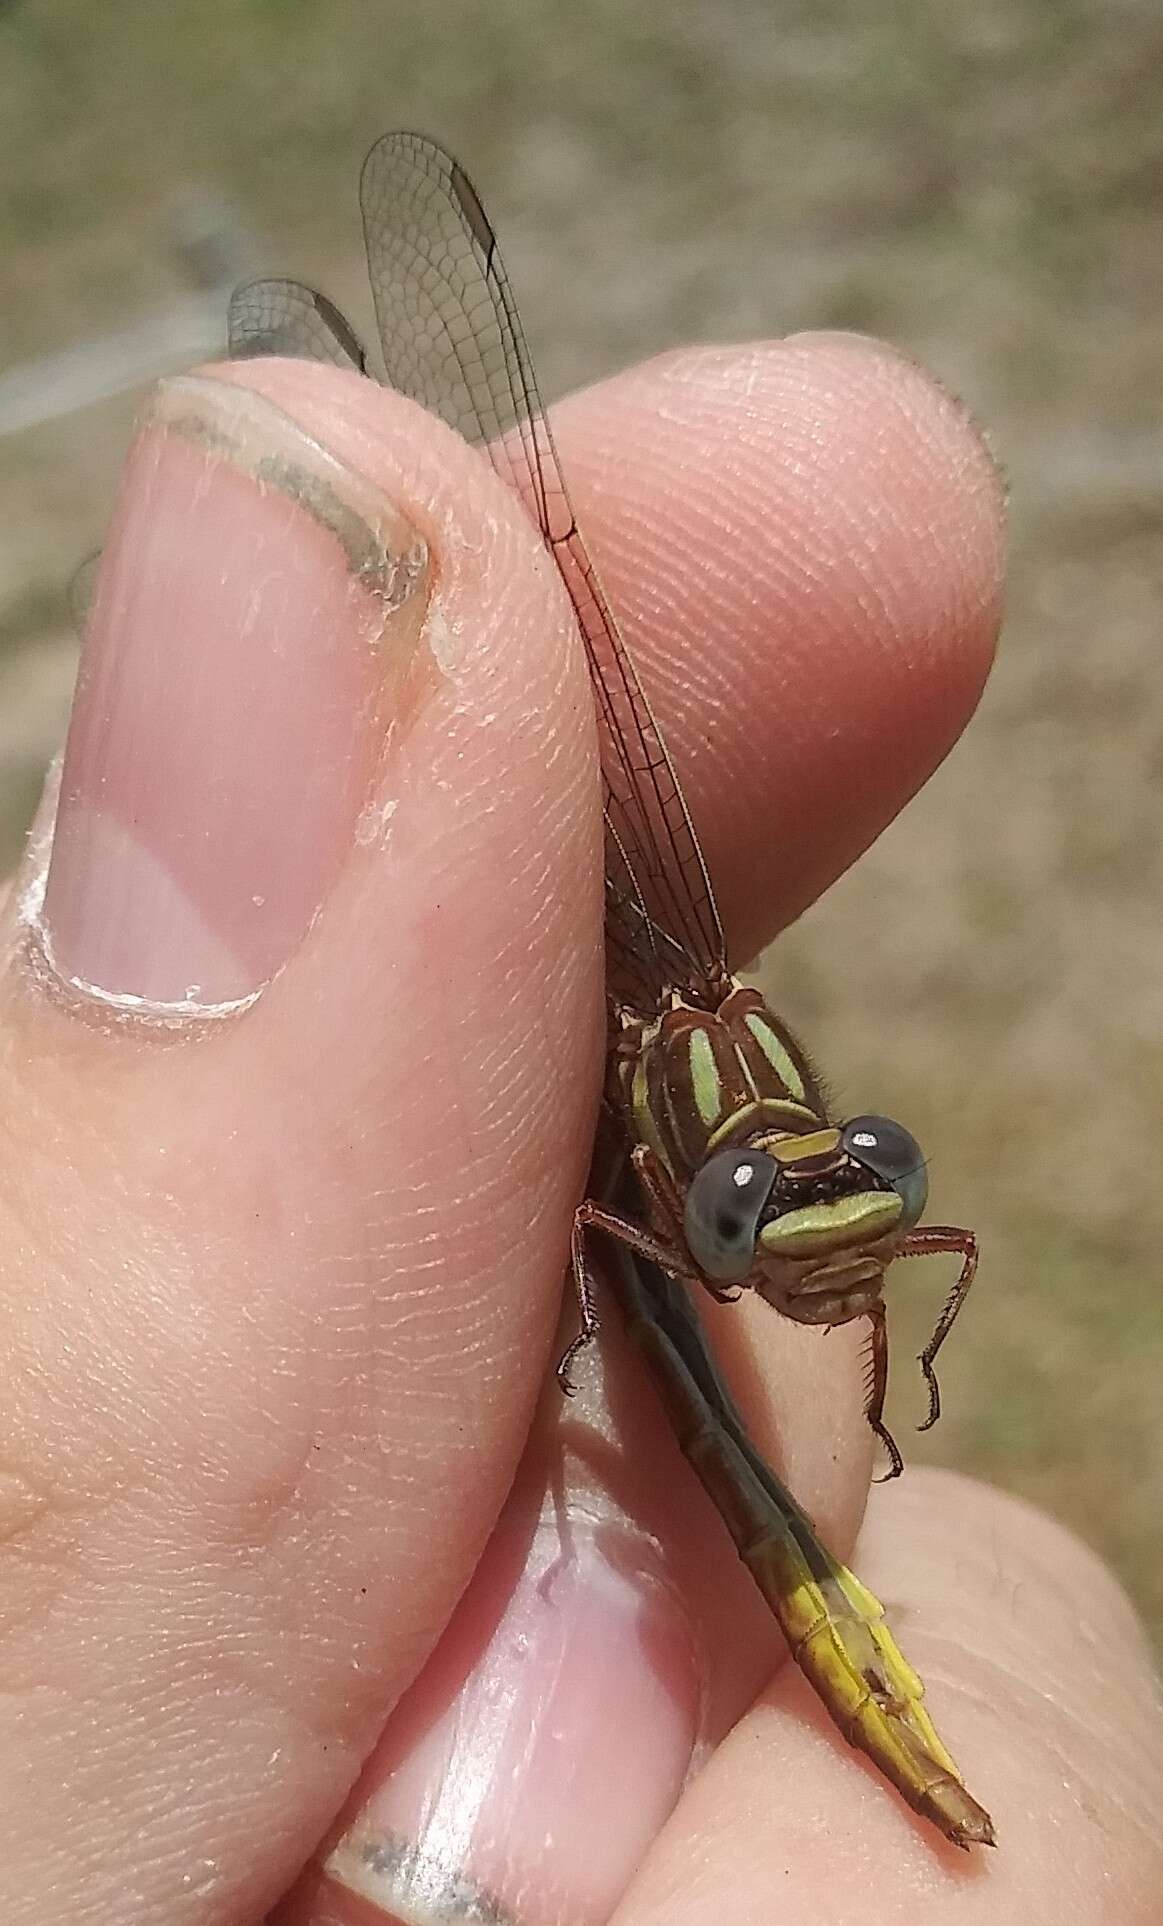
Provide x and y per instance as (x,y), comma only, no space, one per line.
(281,1285)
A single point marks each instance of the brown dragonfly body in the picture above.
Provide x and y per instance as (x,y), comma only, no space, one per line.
(742,1179)
(721,1089)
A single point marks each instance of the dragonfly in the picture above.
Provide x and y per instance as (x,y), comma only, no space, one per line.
(727,1172)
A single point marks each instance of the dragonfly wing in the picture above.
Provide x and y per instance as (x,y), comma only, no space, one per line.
(81,590)
(452,340)
(285,317)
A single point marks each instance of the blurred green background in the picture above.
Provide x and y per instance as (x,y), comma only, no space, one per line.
(984,186)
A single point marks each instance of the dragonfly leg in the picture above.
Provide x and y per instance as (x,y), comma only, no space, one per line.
(925,1242)
(593,1216)
(875,1389)
(662,1192)
(659,1188)
(583,1285)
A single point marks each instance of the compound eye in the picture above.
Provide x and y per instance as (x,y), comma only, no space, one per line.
(723,1207)
(893,1154)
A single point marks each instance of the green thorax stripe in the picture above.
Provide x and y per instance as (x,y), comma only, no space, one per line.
(699,1069)
(776,1052)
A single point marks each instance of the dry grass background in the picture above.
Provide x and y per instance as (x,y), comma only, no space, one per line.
(983,185)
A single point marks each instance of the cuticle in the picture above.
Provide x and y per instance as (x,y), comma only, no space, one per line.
(391,572)
(419,1888)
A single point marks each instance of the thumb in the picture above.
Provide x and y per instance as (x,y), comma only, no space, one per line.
(300,1020)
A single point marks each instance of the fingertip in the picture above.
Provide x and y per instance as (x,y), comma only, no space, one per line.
(950,503)
(804,539)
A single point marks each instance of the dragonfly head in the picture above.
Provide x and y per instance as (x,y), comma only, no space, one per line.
(803,1197)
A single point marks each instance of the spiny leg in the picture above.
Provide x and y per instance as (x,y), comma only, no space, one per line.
(875,1388)
(666,1207)
(590,1216)
(583,1286)
(927,1242)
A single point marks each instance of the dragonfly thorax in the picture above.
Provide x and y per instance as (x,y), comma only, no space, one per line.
(688,1079)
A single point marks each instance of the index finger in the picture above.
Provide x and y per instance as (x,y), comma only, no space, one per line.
(804,544)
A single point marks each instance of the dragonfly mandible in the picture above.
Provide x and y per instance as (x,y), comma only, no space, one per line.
(732,1174)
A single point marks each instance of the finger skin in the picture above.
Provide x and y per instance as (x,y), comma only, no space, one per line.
(823,648)
(1034,1665)
(804,541)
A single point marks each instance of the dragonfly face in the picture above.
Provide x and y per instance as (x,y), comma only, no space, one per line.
(816,1231)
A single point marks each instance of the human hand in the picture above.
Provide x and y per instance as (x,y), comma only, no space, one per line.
(284,1257)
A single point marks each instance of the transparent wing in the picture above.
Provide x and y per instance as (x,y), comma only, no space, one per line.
(284,317)
(81,590)
(452,340)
